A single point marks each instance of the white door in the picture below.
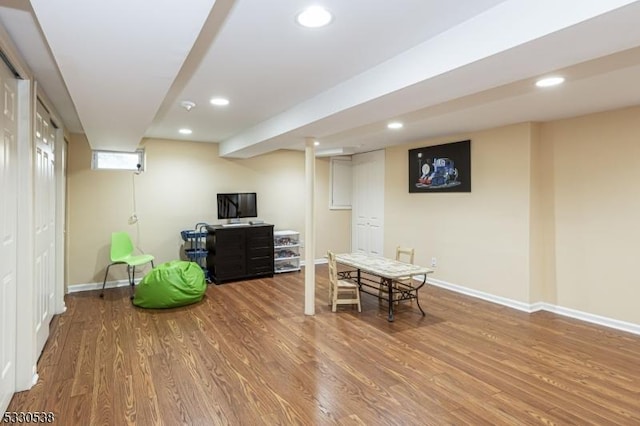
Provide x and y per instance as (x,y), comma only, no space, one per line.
(8,234)
(368,203)
(60,232)
(44,212)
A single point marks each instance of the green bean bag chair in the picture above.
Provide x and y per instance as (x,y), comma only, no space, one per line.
(171,284)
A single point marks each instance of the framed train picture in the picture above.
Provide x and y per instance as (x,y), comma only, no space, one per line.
(441,168)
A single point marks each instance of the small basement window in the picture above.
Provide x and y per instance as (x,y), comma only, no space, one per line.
(118,160)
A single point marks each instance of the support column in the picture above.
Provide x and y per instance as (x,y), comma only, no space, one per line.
(310,228)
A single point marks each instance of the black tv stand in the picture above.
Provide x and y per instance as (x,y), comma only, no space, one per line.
(239,252)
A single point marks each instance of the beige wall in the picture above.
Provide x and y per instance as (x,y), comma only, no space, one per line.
(596,169)
(481,239)
(176,191)
(544,181)
(538,216)
(552,216)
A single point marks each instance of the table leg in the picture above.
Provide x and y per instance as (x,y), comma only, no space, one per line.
(389,283)
(418,301)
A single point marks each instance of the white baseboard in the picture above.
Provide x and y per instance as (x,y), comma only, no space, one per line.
(521,306)
(539,306)
(97,286)
(595,319)
(316,261)
(510,303)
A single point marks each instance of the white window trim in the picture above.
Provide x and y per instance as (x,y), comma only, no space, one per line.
(139,160)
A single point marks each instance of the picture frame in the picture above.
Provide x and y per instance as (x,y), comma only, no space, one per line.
(440,168)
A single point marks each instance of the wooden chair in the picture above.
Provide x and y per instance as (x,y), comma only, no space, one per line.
(338,288)
(403,254)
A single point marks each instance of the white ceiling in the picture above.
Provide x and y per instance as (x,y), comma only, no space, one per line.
(118,70)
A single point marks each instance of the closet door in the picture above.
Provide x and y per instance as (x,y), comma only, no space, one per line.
(8,234)
(368,203)
(44,213)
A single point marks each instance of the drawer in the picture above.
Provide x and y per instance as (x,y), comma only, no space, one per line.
(260,232)
(226,244)
(261,238)
(224,257)
(256,252)
(229,270)
(260,264)
(260,243)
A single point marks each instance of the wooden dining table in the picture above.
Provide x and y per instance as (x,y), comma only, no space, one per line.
(387,274)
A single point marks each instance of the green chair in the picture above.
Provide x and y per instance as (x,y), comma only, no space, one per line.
(122,254)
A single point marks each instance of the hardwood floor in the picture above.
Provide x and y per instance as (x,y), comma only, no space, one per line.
(246,355)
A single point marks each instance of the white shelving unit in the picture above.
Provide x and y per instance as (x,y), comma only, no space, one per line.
(286,247)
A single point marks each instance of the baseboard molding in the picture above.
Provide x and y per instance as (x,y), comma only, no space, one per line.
(539,306)
(594,319)
(510,303)
(315,262)
(97,286)
(521,306)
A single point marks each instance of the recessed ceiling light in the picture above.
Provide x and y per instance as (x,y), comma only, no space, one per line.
(395,125)
(185,131)
(316,143)
(219,101)
(549,81)
(314,17)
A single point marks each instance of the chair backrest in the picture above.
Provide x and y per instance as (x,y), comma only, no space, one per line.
(121,246)
(405,254)
(333,270)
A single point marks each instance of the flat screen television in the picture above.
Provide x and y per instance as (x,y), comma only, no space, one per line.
(237,205)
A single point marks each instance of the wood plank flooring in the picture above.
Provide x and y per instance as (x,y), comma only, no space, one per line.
(246,355)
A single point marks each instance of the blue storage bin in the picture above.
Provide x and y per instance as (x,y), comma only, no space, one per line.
(195,253)
(195,249)
(191,235)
